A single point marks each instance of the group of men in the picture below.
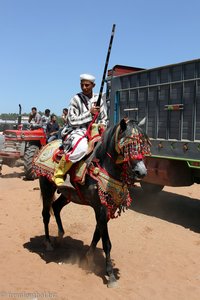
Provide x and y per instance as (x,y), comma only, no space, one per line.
(47,122)
(77,117)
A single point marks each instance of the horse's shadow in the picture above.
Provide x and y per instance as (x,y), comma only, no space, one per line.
(12,175)
(174,208)
(70,251)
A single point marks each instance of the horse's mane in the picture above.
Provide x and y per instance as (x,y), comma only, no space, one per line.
(106,142)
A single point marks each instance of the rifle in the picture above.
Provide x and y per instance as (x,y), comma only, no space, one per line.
(106,66)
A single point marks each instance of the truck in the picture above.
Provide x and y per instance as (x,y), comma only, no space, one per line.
(22,143)
(169,98)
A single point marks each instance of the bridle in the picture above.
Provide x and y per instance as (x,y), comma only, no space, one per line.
(134,146)
(129,148)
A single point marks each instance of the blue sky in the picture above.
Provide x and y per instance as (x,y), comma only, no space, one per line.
(47,44)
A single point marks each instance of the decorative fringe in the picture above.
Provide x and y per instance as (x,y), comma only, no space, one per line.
(114,210)
(113,193)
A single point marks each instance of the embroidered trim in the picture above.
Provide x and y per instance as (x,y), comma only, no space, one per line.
(113,193)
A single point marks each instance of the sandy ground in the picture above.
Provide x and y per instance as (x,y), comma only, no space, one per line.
(155,247)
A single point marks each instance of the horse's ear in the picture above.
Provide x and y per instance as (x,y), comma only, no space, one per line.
(123,124)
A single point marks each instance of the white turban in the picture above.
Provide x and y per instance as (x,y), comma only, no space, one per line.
(87,77)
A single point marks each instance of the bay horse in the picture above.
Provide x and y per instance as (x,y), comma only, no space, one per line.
(115,164)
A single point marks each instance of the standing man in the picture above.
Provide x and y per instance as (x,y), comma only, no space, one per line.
(64,122)
(45,119)
(64,116)
(81,111)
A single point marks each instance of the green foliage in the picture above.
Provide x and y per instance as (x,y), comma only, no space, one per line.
(11,116)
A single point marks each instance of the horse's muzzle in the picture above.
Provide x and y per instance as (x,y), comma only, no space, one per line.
(139,171)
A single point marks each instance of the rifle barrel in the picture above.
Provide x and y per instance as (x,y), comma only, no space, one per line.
(106,66)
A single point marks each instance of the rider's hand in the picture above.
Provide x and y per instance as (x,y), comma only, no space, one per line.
(94,110)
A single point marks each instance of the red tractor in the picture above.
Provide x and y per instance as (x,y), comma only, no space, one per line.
(22,144)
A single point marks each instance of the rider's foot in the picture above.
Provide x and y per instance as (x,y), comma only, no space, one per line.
(63,185)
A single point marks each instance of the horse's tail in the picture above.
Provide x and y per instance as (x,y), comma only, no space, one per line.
(47,190)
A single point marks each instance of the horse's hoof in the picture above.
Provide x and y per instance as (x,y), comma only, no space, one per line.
(60,235)
(112,282)
(48,246)
(59,239)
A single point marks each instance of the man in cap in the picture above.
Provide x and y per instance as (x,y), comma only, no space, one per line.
(81,111)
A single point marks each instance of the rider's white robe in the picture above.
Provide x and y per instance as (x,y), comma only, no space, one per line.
(79,118)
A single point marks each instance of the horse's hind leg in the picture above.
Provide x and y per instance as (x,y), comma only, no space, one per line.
(47,192)
(95,239)
(57,206)
(90,252)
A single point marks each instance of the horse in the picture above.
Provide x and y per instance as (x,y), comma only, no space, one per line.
(115,164)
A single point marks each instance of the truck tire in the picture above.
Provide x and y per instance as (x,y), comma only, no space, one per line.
(29,155)
(151,187)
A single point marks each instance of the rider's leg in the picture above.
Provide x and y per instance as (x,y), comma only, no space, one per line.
(61,170)
(80,147)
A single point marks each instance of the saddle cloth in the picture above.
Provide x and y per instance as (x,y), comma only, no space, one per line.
(45,162)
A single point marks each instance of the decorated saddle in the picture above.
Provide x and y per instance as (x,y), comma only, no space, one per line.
(48,158)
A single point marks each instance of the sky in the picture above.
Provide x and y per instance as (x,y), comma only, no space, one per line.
(46,44)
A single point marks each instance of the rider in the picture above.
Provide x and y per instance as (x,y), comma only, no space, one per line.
(81,111)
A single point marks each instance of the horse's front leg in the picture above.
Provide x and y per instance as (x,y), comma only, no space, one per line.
(109,267)
(102,223)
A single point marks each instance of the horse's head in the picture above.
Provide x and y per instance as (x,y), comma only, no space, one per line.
(132,145)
